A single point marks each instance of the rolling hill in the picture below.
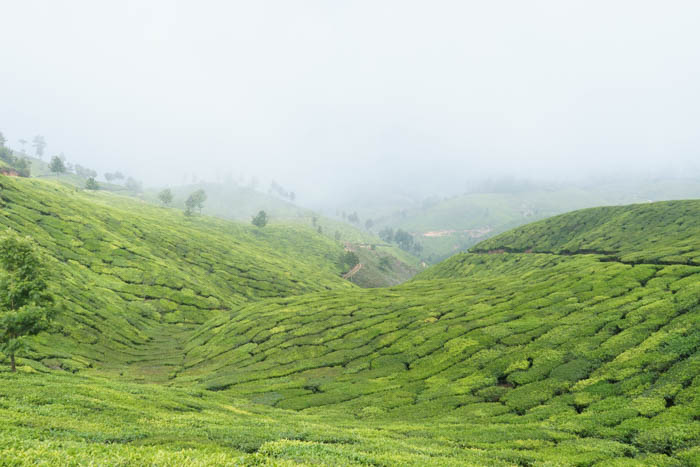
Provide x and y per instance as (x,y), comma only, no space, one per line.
(571,341)
(124,267)
(240,203)
(449,225)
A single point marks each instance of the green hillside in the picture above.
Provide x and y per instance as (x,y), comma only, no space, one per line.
(250,349)
(125,269)
(664,232)
(241,203)
(453,224)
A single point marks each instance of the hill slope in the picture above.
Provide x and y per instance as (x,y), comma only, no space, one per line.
(450,225)
(555,358)
(241,203)
(580,346)
(125,269)
(664,232)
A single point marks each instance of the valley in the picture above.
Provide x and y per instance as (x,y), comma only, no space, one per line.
(569,341)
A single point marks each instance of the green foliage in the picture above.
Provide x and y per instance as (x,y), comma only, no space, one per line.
(385,262)
(266,356)
(387,234)
(195,201)
(127,271)
(403,239)
(91,184)
(260,219)
(350,259)
(84,172)
(166,197)
(659,233)
(23,295)
(11,163)
(56,165)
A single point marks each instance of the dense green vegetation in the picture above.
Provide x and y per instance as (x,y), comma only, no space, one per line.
(664,232)
(574,342)
(445,226)
(127,269)
(244,203)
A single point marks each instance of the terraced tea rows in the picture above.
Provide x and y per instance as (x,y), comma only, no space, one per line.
(664,233)
(126,271)
(583,349)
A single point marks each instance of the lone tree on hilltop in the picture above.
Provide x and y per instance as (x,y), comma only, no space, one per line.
(260,219)
(57,166)
(166,197)
(91,184)
(39,144)
(195,201)
(25,305)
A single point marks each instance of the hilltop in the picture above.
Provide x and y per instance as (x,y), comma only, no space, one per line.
(572,341)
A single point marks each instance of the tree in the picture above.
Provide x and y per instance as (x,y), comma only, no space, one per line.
(84,172)
(350,259)
(23,167)
(403,239)
(354,218)
(23,143)
(25,305)
(260,219)
(387,234)
(166,197)
(91,184)
(109,176)
(195,201)
(2,139)
(384,263)
(133,184)
(369,223)
(39,144)
(57,166)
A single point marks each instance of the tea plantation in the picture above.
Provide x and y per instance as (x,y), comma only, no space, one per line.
(571,341)
(128,272)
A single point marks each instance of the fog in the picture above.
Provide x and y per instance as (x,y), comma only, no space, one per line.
(332,97)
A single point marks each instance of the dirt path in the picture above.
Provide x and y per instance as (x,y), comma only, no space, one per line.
(353,271)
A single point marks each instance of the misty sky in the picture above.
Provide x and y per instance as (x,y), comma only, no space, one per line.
(326,94)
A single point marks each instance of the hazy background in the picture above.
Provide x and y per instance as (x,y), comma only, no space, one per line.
(332,97)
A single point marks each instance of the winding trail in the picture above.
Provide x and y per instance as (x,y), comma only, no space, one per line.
(353,271)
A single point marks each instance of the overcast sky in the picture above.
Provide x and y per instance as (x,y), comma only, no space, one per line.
(322,94)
